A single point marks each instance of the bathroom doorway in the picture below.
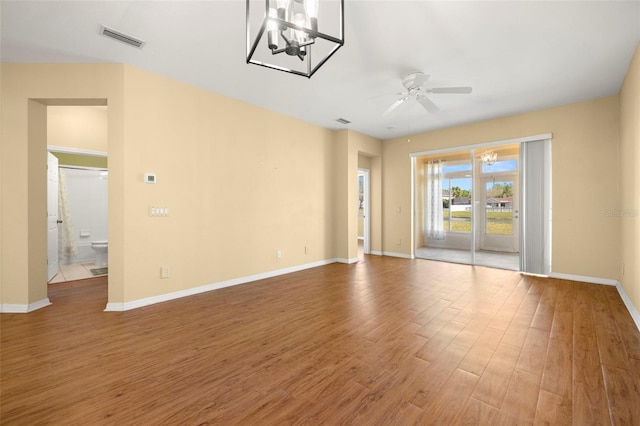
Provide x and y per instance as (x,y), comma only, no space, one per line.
(77,138)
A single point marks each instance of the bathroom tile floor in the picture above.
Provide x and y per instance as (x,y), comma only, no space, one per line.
(74,271)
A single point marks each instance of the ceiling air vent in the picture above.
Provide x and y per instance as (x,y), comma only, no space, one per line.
(342,121)
(117,35)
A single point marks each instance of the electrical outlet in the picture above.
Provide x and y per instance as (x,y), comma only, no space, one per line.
(306,250)
(399,243)
(278,254)
(164,272)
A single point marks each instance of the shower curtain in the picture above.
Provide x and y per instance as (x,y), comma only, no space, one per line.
(434,210)
(67,245)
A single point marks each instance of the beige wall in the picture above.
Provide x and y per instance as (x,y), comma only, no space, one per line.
(240,183)
(342,191)
(238,192)
(78,127)
(36,133)
(629,175)
(350,146)
(26,90)
(371,148)
(585,181)
(237,179)
(363,162)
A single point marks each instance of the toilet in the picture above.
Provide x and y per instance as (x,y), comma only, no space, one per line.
(101,252)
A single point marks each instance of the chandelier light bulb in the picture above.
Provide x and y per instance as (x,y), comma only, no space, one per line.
(300,20)
(283,10)
(311,9)
(283,4)
(272,30)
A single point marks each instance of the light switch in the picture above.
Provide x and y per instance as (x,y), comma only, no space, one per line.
(158,211)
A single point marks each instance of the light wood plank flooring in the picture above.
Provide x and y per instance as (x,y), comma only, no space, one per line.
(383,342)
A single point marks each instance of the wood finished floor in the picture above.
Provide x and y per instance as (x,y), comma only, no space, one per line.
(384,342)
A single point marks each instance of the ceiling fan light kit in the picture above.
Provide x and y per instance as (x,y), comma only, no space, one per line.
(416,88)
(294,36)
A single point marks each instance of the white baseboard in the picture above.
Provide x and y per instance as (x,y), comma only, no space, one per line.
(633,311)
(11,308)
(115,307)
(347,261)
(583,279)
(402,255)
(125,306)
(376,252)
(635,315)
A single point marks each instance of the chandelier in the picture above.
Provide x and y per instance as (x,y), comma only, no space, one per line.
(293,35)
(489,158)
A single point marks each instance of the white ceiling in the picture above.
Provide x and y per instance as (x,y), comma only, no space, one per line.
(517,56)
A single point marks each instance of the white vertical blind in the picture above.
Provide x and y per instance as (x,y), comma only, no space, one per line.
(535,214)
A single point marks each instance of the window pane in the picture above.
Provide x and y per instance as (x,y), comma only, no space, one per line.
(499,208)
(452,168)
(460,205)
(501,166)
(446,219)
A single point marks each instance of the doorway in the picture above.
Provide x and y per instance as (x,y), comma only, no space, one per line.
(467,206)
(364,209)
(52,217)
(499,229)
(82,219)
(77,141)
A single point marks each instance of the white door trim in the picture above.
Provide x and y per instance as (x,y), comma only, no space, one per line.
(65,150)
(52,216)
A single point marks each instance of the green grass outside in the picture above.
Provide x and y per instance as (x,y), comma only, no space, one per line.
(492,227)
(490,215)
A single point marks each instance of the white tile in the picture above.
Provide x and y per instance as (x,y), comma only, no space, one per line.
(75,271)
(58,278)
(492,259)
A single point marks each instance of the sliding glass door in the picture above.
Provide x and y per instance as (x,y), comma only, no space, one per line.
(474,194)
(499,214)
(487,205)
(444,225)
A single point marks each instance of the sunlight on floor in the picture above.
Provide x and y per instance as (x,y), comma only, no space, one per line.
(499,260)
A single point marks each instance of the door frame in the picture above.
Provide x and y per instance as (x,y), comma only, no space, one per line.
(498,242)
(79,151)
(473,148)
(53,260)
(367,208)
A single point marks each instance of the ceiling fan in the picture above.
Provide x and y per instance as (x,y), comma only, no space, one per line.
(415,85)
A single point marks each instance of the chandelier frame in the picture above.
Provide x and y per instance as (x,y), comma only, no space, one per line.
(303,50)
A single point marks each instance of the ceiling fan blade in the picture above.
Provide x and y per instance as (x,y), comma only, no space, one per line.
(461,90)
(427,104)
(394,105)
